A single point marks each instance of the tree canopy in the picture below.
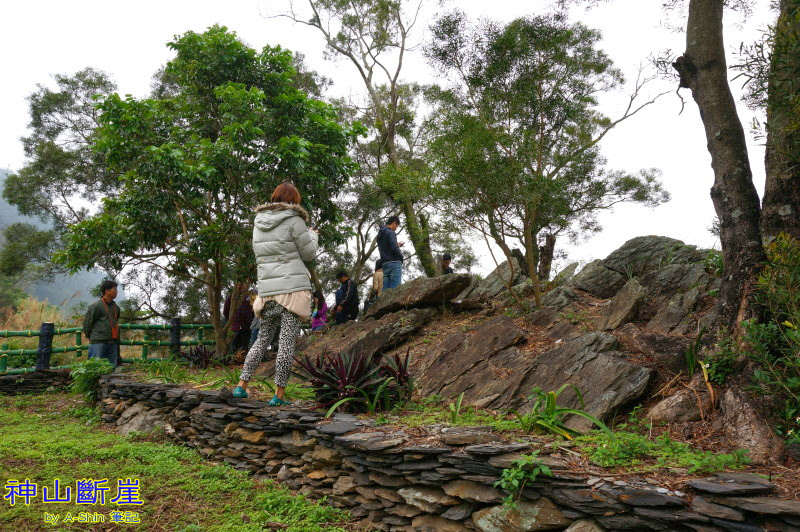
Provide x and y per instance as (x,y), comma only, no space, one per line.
(514,136)
(197,159)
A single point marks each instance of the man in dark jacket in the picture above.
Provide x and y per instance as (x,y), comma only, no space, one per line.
(390,252)
(101,325)
(446,269)
(346,299)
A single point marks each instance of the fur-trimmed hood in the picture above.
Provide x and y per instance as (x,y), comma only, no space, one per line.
(271,215)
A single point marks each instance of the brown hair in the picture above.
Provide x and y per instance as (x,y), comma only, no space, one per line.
(286,193)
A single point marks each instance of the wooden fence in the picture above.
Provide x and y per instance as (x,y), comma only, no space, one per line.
(48,330)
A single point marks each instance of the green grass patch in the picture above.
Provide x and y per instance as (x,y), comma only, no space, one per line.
(636,452)
(46,436)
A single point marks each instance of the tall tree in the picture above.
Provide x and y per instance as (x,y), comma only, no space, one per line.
(374,36)
(62,172)
(703,69)
(515,136)
(196,161)
(781,204)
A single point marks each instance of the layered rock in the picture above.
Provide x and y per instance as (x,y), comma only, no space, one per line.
(419,293)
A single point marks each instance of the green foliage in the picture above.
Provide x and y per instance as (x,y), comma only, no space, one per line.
(455,408)
(547,416)
(714,263)
(86,377)
(89,415)
(627,449)
(774,345)
(356,381)
(513,146)
(692,354)
(721,361)
(41,437)
(196,158)
(171,370)
(524,471)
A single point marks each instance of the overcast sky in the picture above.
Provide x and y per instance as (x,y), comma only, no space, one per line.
(127,40)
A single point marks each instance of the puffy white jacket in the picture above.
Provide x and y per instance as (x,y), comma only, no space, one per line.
(281,242)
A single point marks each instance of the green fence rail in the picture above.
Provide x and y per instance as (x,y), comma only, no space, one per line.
(47,331)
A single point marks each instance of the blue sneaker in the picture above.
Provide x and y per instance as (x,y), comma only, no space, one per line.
(240,393)
(277,401)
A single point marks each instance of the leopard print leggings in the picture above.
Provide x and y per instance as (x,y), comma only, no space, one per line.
(272,316)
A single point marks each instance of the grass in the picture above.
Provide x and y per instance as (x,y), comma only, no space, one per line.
(51,436)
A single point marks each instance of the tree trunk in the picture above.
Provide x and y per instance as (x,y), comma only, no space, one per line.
(781,206)
(703,69)
(546,256)
(421,238)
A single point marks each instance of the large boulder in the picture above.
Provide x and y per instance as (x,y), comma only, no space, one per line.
(666,351)
(483,363)
(691,403)
(598,280)
(505,275)
(648,253)
(559,298)
(623,307)
(674,315)
(606,381)
(566,274)
(368,337)
(421,292)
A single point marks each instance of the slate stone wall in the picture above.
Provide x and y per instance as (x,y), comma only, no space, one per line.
(35,382)
(390,480)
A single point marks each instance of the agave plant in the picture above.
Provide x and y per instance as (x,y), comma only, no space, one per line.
(352,380)
(547,416)
(198,356)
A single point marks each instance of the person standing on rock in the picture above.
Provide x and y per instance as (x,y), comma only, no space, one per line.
(101,324)
(282,243)
(390,252)
(377,285)
(446,269)
(346,299)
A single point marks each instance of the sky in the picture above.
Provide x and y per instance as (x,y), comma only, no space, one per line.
(127,40)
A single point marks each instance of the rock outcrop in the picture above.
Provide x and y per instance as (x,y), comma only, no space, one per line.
(419,293)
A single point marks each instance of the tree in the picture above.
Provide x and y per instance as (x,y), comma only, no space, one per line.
(515,136)
(373,35)
(230,126)
(703,69)
(62,172)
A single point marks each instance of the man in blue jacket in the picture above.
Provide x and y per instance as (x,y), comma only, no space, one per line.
(390,252)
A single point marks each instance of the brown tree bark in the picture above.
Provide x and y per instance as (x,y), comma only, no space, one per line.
(781,205)
(703,69)
(546,256)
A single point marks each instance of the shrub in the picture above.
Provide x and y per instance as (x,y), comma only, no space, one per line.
(523,471)
(86,377)
(721,361)
(354,380)
(198,356)
(774,345)
(547,416)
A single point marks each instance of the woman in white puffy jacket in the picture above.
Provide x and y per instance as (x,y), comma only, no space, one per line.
(282,243)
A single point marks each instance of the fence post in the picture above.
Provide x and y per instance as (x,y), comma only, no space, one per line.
(45,345)
(79,344)
(146,339)
(175,336)
(4,359)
